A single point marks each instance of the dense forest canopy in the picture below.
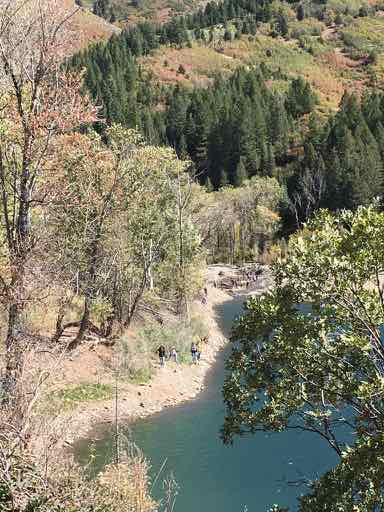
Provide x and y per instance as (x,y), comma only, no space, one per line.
(240,127)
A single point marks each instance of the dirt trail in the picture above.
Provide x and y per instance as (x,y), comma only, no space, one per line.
(170,385)
(337,57)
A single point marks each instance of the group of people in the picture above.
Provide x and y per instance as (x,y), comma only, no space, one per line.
(247,278)
(172,355)
(251,276)
(196,349)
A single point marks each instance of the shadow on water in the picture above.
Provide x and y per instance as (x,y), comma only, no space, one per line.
(254,473)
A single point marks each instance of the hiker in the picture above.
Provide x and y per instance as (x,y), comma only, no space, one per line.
(173,354)
(161,352)
(194,352)
(199,350)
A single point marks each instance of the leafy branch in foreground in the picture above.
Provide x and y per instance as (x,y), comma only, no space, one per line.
(309,355)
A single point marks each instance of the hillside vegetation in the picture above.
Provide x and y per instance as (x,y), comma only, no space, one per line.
(161,146)
(134,11)
(248,88)
(87,27)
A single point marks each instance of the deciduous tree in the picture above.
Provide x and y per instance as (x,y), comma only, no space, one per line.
(40,100)
(309,355)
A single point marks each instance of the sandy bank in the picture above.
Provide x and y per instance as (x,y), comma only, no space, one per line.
(170,385)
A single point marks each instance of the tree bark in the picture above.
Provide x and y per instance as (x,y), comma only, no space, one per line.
(19,249)
(14,352)
(83,324)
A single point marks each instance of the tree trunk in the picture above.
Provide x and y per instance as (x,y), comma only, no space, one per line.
(59,325)
(18,248)
(136,300)
(150,274)
(14,352)
(83,323)
(13,341)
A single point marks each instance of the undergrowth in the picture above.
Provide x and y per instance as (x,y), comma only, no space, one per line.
(72,395)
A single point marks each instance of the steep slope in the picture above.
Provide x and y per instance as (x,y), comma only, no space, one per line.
(341,52)
(88,27)
(133,11)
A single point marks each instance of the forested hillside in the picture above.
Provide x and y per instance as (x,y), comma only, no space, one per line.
(133,11)
(248,116)
(206,133)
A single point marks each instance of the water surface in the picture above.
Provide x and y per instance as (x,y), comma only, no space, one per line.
(252,475)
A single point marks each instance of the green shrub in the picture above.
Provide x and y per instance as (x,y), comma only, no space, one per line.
(139,376)
(179,335)
(84,393)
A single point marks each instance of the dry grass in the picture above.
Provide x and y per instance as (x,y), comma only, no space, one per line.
(365,34)
(353,5)
(292,61)
(154,10)
(200,63)
(88,27)
(203,62)
(307,25)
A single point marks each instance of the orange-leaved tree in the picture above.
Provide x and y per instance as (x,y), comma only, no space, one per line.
(39,100)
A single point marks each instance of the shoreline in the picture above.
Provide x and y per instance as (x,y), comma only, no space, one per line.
(169,386)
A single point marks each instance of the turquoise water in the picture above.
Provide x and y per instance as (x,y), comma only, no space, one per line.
(252,475)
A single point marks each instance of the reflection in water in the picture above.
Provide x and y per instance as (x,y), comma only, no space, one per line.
(254,473)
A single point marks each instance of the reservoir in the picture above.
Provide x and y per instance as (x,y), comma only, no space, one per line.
(252,475)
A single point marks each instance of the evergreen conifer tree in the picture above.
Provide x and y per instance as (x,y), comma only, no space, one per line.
(208,185)
(240,174)
(269,161)
(223,182)
(281,25)
(300,14)
(300,98)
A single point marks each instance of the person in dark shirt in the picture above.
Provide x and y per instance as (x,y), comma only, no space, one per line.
(161,352)
(194,353)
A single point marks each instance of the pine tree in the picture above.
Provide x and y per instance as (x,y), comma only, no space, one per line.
(253,28)
(208,185)
(241,173)
(269,161)
(246,29)
(281,25)
(379,136)
(228,35)
(223,179)
(182,150)
(278,126)
(176,117)
(101,8)
(251,136)
(300,98)
(300,12)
